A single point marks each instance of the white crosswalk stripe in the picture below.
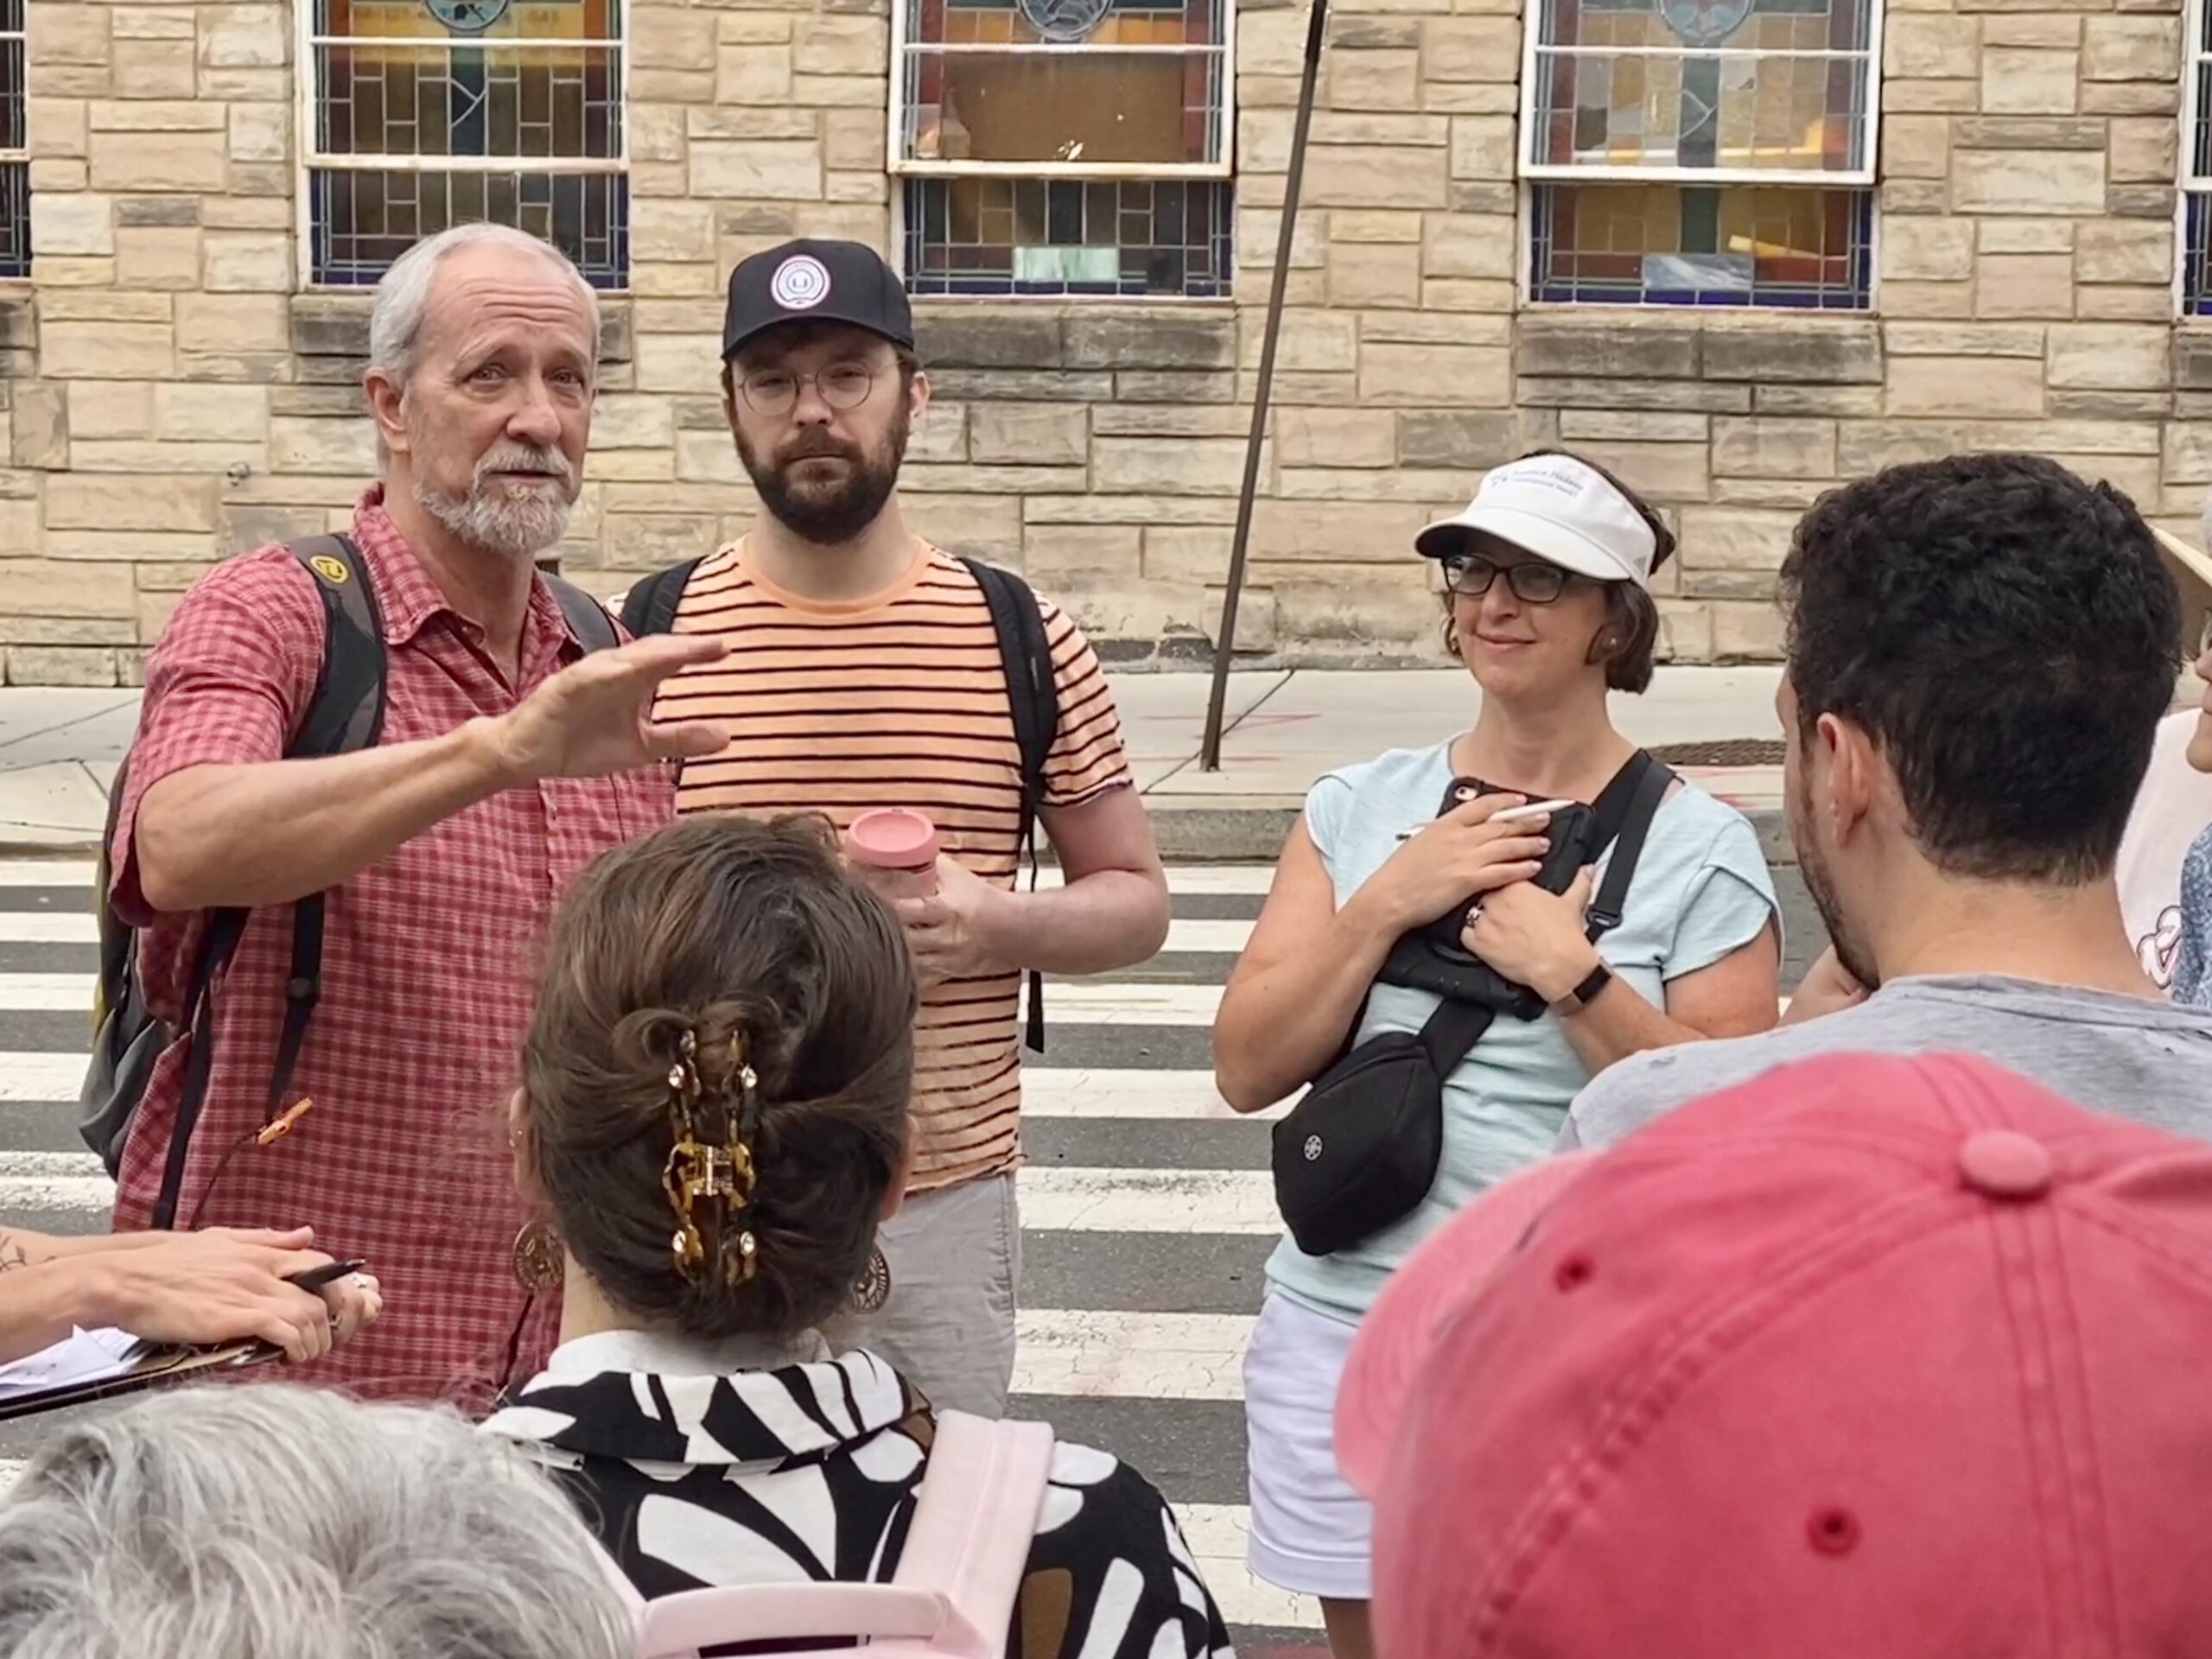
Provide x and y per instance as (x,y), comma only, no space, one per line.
(1109,1137)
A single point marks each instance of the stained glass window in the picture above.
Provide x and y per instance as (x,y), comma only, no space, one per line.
(434,112)
(15,154)
(1701,152)
(1693,245)
(2196,182)
(1065,146)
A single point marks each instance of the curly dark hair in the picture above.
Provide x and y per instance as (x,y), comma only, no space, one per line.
(2007,634)
(722,926)
(1627,642)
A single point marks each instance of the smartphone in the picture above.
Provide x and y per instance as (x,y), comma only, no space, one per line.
(1534,809)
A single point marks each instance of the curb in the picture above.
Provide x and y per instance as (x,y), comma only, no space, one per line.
(1253,833)
(1232,833)
(86,845)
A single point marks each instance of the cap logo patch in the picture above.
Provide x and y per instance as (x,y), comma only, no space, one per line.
(800,283)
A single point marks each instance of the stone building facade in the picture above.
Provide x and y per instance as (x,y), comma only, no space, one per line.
(172,390)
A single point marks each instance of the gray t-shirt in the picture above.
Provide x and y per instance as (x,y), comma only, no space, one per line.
(2151,1062)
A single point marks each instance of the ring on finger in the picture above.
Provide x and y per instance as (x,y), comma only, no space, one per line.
(1474,913)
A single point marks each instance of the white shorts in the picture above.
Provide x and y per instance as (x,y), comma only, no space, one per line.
(1311,1532)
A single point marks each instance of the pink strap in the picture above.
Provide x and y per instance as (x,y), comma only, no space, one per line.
(974,1524)
(958,1577)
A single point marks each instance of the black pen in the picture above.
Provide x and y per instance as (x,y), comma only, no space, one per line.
(316,1278)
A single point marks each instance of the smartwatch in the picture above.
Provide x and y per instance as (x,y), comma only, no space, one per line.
(1584,994)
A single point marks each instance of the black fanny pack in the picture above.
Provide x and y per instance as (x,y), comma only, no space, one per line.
(1360,1151)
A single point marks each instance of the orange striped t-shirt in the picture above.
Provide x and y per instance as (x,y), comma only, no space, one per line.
(899,700)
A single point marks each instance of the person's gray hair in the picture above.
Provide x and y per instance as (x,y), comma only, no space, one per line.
(402,300)
(275,1521)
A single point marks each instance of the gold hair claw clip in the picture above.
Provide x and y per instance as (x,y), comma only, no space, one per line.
(700,1170)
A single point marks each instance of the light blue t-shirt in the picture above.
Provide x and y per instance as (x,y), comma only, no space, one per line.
(1702,890)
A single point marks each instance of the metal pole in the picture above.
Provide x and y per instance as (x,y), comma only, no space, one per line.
(1210,750)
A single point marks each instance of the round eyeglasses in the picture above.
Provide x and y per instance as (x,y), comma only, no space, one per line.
(843,385)
(1535,582)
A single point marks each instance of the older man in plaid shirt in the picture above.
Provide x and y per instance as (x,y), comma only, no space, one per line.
(508,759)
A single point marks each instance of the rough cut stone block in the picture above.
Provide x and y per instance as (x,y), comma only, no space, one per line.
(1590,346)
(789,171)
(2131,48)
(2108,356)
(1927,249)
(1341,176)
(1156,341)
(1842,353)
(112,502)
(1475,376)
(2142,150)
(1964,339)
(1534,392)
(1366,78)
(72,225)
(1455,439)
(960,338)
(1472,49)
(2030,132)
(2011,181)
(1915,147)
(1767,446)
(2140,201)
(183,160)
(1032,434)
(1965,385)
(2024,285)
(2125,251)
(1930,45)
(2017,82)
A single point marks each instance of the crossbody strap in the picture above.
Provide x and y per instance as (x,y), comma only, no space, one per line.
(1649,788)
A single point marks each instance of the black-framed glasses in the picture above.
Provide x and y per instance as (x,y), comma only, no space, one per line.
(1534,582)
(843,385)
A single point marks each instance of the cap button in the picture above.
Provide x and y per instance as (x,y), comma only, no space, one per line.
(2004,1164)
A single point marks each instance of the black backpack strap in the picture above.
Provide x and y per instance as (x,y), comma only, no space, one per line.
(586,618)
(345,714)
(1034,694)
(1636,793)
(650,606)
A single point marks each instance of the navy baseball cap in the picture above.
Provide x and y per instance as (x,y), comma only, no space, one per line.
(809,281)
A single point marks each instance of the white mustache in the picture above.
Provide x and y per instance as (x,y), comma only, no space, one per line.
(522,458)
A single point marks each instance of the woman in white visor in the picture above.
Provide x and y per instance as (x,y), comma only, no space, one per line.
(1547,578)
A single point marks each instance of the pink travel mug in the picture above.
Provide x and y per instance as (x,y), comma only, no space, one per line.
(897,840)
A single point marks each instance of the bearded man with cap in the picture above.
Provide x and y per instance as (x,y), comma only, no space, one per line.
(1548,577)
(865,672)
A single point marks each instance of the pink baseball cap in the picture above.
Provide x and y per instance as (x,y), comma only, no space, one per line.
(1871,1356)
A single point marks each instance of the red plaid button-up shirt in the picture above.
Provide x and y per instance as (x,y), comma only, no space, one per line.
(427,963)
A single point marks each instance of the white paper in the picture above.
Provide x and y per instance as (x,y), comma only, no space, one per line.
(82,1357)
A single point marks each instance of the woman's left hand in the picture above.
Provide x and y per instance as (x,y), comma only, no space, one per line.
(1535,937)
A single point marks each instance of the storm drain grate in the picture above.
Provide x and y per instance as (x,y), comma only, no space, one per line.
(1731,752)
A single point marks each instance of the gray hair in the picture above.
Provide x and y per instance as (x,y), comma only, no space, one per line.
(402,300)
(275,1521)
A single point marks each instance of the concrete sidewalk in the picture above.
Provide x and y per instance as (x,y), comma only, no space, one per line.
(59,747)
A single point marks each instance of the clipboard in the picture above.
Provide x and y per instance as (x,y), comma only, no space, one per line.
(153,1370)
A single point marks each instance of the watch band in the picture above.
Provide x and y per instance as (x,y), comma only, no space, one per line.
(1584,994)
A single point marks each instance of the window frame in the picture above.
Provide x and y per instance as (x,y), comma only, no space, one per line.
(895,110)
(1533,172)
(2192,189)
(310,159)
(15,160)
